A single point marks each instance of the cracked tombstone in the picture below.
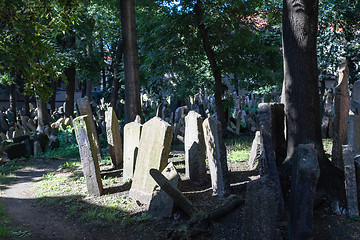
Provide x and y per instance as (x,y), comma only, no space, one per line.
(114,138)
(195,166)
(154,149)
(85,109)
(88,155)
(216,154)
(132,134)
(341,115)
(304,178)
(350,181)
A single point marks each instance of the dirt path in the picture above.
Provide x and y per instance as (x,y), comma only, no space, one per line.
(32,218)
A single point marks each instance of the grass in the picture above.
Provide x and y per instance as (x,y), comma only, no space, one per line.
(238,149)
(238,155)
(4,228)
(327,143)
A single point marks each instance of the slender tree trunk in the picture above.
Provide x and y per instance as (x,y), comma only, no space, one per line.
(43,115)
(213,64)
(13,98)
(89,81)
(103,69)
(53,96)
(26,104)
(116,83)
(131,60)
(301,91)
(70,74)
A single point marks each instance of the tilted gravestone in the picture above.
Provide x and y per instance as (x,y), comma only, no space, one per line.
(304,178)
(261,207)
(85,109)
(132,133)
(216,154)
(350,181)
(195,152)
(341,114)
(154,149)
(114,138)
(161,204)
(88,155)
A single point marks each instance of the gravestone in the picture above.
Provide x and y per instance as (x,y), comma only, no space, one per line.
(216,154)
(85,109)
(260,212)
(304,178)
(353,132)
(267,117)
(88,155)
(132,133)
(355,94)
(326,119)
(114,138)
(195,167)
(341,114)
(255,151)
(350,181)
(238,121)
(161,205)
(154,149)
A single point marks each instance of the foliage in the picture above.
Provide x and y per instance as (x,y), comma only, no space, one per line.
(339,24)
(28,52)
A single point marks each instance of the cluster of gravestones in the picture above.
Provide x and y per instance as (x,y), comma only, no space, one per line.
(264,197)
(144,158)
(19,136)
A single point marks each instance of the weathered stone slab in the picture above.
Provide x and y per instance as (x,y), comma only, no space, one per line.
(326,119)
(114,138)
(341,114)
(132,134)
(195,151)
(255,151)
(161,205)
(37,148)
(216,154)
(353,132)
(85,109)
(304,178)
(350,181)
(261,208)
(154,149)
(88,155)
(15,150)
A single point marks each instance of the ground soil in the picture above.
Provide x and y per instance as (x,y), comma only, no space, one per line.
(39,222)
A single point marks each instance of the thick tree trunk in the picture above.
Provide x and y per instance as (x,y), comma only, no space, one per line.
(301,91)
(214,66)
(43,115)
(131,60)
(116,83)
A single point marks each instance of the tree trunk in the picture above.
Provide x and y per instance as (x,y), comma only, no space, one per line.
(301,91)
(13,98)
(26,104)
(103,68)
(88,80)
(43,115)
(70,74)
(131,60)
(53,96)
(116,83)
(213,64)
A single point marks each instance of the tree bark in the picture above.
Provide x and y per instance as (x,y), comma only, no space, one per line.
(213,64)
(43,115)
(53,96)
(300,88)
(88,80)
(70,74)
(116,83)
(131,60)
